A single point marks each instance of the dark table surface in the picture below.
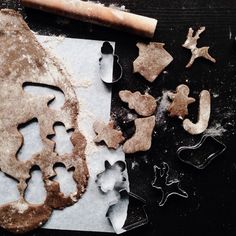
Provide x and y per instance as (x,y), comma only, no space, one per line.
(211,206)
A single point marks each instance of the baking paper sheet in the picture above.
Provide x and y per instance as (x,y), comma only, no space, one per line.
(81,60)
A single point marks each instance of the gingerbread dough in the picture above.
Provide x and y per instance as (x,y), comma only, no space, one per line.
(144,105)
(108,134)
(142,139)
(24,60)
(180,101)
(152,60)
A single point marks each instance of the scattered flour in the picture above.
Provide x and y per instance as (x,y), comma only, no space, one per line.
(53,42)
(162,108)
(86,118)
(134,165)
(118,7)
(147,90)
(216,130)
(215,95)
(230,33)
(113,5)
(81,83)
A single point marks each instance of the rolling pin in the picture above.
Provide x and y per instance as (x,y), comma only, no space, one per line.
(98,14)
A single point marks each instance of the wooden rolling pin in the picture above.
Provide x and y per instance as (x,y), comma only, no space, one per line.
(97,14)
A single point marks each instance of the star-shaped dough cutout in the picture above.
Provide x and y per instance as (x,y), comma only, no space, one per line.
(180,101)
(152,60)
(108,134)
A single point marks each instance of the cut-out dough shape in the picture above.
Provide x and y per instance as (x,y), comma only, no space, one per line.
(65,179)
(31,136)
(142,139)
(24,60)
(108,134)
(191,43)
(35,192)
(112,177)
(201,154)
(203,116)
(152,60)
(180,102)
(144,105)
(8,189)
(167,188)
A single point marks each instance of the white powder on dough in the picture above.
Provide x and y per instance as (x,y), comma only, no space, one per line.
(118,7)
(53,42)
(21,207)
(86,118)
(113,5)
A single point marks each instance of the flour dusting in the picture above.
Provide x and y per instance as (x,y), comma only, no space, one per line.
(85,119)
(81,83)
(216,130)
(162,108)
(21,207)
(118,7)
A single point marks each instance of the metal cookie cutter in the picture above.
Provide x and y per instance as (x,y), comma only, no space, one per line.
(161,181)
(109,74)
(136,214)
(112,178)
(201,154)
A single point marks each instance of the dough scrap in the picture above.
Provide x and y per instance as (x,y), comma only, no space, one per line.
(144,105)
(180,101)
(23,60)
(142,139)
(108,134)
(152,60)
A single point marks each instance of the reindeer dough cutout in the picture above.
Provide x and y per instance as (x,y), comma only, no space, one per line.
(191,43)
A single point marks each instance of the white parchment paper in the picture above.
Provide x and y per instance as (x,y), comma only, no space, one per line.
(81,60)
